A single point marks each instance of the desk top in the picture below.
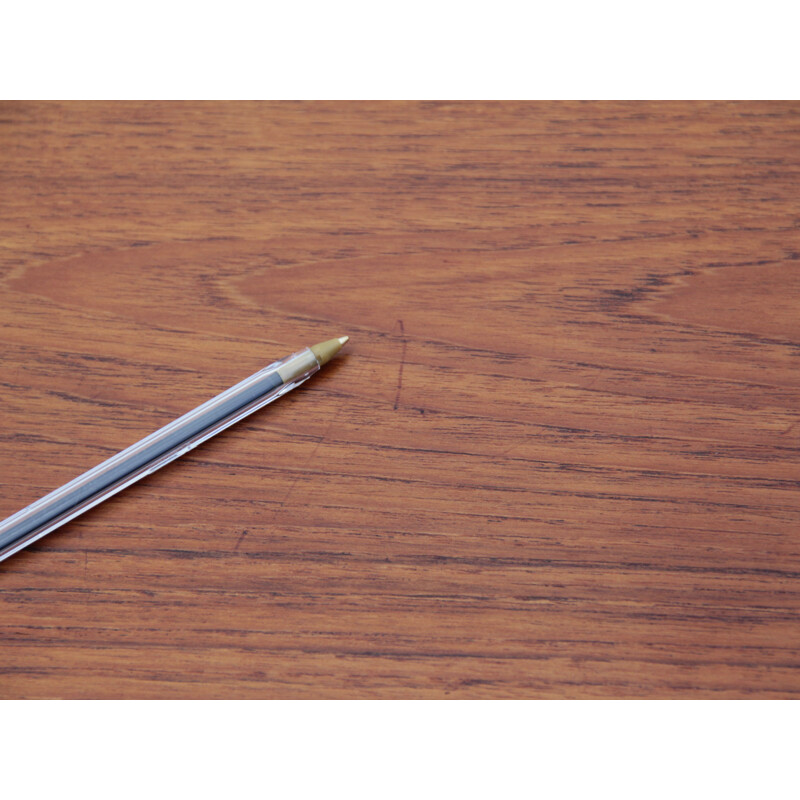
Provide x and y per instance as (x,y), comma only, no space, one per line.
(558,459)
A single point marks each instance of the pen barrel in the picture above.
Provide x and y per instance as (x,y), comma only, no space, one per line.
(154,451)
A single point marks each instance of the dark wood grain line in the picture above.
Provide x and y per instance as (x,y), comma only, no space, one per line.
(404,344)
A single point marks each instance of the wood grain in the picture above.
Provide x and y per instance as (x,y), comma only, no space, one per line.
(560,458)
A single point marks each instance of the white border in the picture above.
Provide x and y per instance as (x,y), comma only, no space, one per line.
(356,749)
(418,50)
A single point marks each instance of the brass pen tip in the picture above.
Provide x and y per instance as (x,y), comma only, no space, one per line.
(325,351)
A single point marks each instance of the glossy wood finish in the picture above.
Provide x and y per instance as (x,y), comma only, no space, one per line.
(560,458)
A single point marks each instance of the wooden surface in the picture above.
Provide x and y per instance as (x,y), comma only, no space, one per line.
(560,458)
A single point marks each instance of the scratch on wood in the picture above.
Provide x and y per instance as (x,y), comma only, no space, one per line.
(308,460)
(402,362)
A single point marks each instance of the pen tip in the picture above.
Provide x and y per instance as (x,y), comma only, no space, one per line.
(325,351)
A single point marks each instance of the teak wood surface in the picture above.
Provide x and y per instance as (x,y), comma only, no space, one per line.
(559,457)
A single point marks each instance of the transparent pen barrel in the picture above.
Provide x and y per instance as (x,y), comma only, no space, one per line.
(154,451)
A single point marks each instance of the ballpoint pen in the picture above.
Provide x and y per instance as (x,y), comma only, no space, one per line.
(163,446)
